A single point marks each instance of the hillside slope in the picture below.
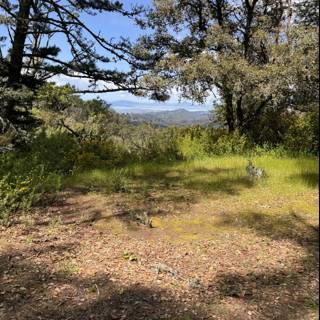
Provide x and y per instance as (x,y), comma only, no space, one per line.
(180,117)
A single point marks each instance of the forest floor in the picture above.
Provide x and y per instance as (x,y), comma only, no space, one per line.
(221,246)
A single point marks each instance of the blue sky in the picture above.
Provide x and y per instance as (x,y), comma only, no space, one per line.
(114,26)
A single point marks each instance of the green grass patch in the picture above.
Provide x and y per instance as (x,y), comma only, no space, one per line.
(225,174)
(195,199)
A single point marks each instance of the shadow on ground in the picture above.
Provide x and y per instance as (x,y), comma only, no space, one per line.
(309,179)
(229,181)
(282,294)
(291,226)
(33,291)
(169,190)
(308,173)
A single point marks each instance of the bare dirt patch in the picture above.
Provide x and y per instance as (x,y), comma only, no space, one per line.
(83,258)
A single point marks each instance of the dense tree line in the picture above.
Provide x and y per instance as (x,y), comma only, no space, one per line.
(259,58)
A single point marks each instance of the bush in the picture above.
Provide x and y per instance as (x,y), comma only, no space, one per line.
(192,147)
(233,143)
(303,134)
(161,147)
(194,142)
(145,143)
(118,181)
(90,154)
(26,175)
(53,151)
(21,190)
(197,142)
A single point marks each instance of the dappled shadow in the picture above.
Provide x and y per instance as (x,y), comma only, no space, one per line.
(89,210)
(279,294)
(310,179)
(214,171)
(291,226)
(169,190)
(230,186)
(308,173)
(282,293)
(30,290)
(80,208)
(204,180)
(58,198)
(33,288)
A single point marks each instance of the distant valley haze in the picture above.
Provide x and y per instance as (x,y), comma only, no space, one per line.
(125,102)
(175,111)
(128,106)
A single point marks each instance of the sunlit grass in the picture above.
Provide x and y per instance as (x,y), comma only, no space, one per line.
(202,196)
(226,173)
(214,174)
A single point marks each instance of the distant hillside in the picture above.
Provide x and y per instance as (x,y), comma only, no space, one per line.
(125,106)
(180,117)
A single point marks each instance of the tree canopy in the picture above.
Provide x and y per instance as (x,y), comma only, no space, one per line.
(258,57)
(38,31)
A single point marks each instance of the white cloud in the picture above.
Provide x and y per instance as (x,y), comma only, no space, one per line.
(80,83)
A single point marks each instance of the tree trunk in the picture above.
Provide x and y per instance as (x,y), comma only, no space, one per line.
(239,113)
(20,35)
(249,5)
(16,56)
(229,111)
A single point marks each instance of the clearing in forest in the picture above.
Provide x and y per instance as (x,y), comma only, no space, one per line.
(222,245)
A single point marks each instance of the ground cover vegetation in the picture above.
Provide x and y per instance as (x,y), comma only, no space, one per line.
(102,218)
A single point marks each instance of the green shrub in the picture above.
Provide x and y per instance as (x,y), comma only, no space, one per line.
(192,147)
(90,154)
(53,151)
(233,143)
(146,143)
(19,191)
(118,181)
(83,160)
(26,175)
(303,134)
(268,150)
(195,142)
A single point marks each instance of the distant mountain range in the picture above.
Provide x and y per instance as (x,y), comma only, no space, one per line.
(163,114)
(125,106)
(179,117)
